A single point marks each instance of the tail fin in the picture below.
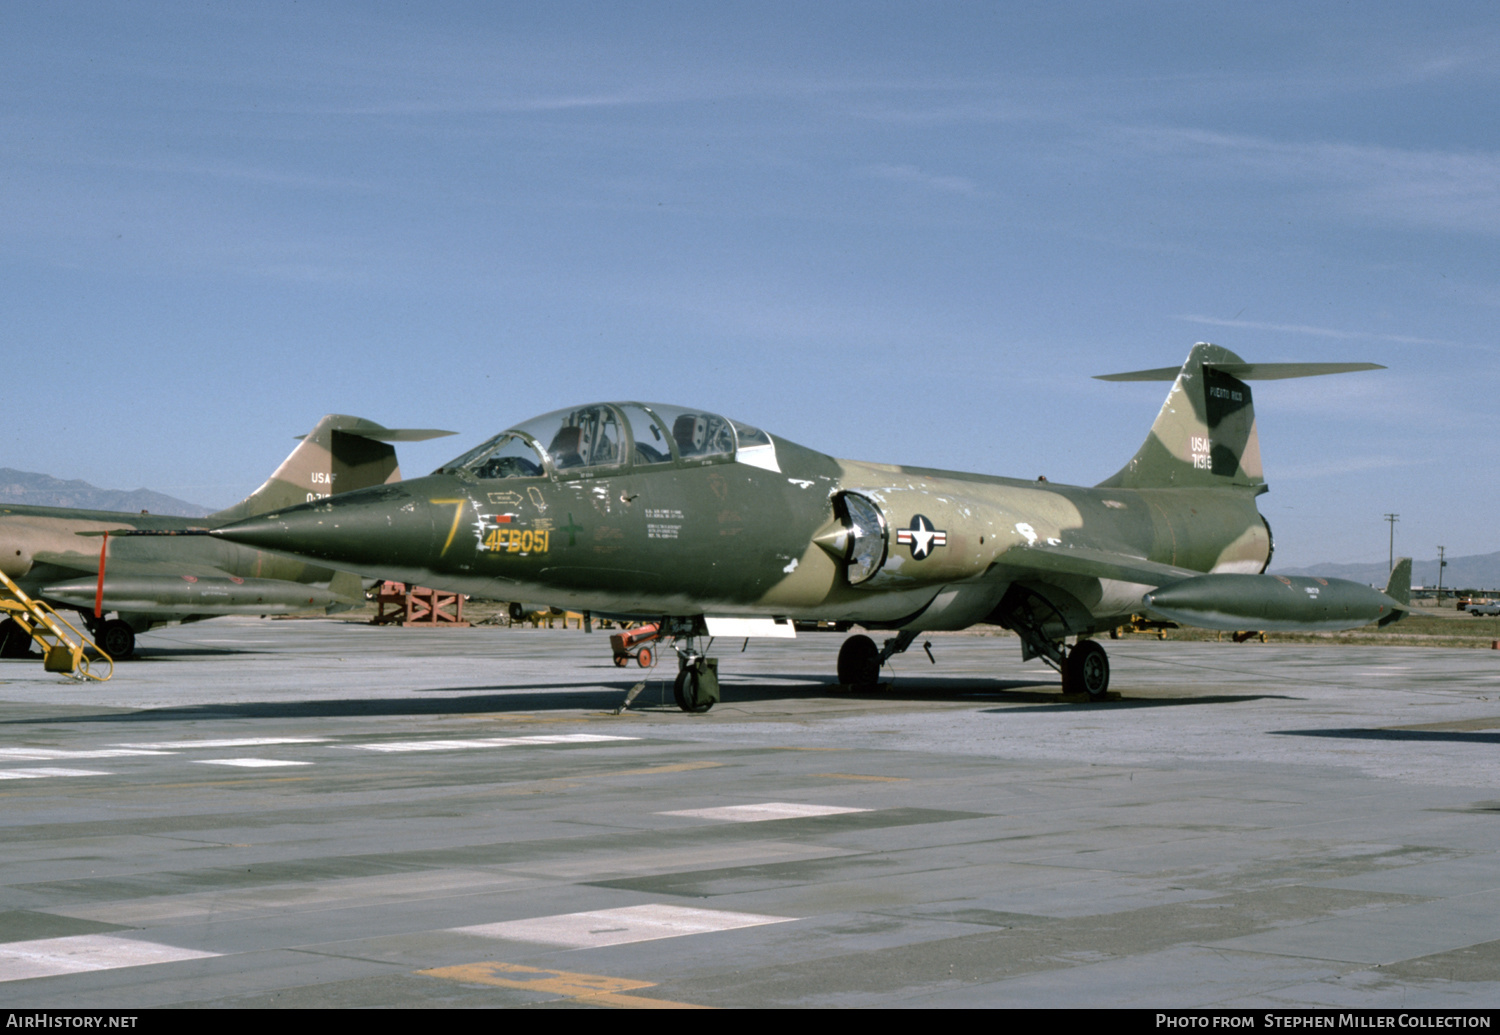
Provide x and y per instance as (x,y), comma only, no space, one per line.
(339,454)
(1398,586)
(1205,436)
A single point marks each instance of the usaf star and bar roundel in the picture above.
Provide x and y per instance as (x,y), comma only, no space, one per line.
(921,537)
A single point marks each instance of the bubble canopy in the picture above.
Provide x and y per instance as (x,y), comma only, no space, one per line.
(605,438)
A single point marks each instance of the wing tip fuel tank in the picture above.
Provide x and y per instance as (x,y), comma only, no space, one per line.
(1276,603)
(197,595)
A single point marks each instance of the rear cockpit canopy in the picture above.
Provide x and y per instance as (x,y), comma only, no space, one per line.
(608,438)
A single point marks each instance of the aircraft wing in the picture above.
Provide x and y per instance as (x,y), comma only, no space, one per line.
(1095,563)
(173,588)
(88,564)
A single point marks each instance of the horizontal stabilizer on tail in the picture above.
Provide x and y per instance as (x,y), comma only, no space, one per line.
(1247,371)
(377,433)
(1205,435)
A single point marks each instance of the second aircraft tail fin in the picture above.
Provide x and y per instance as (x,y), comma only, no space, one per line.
(339,454)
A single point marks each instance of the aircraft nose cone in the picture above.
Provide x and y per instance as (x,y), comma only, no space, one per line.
(354,530)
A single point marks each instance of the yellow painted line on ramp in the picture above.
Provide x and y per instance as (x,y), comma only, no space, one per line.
(861,776)
(596,989)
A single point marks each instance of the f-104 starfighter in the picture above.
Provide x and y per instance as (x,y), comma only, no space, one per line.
(715,527)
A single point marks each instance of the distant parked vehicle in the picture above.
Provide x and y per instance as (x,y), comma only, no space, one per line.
(1481,610)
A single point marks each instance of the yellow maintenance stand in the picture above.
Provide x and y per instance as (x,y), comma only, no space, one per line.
(65,650)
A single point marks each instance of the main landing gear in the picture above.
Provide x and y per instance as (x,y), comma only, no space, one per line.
(115,638)
(1037,621)
(1085,670)
(860,661)
(15,642)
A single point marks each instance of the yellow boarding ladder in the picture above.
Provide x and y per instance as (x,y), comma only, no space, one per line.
(62,652)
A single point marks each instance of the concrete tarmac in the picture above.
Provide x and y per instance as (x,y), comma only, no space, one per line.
(317,813)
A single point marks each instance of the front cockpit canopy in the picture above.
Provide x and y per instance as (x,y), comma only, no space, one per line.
(608,437)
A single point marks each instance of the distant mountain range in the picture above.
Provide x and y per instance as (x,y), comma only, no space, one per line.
(1480,571)
(43,490)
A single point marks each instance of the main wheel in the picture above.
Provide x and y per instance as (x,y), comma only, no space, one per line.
(685,690)
(859,662)
(14,641)
(1086,670)
(117,639)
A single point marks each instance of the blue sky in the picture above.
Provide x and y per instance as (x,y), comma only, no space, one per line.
(897,232)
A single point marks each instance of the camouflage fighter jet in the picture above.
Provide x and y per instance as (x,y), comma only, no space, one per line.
(142,568)
(714,527)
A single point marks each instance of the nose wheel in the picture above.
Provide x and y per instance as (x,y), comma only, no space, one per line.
(696,688)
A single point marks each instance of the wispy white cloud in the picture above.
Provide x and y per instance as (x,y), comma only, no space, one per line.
(1314,331)
(1451,190)
(518,105)
(1346,465)
(934,181)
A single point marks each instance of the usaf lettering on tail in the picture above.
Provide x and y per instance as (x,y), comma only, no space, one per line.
(145,570)
(688,518)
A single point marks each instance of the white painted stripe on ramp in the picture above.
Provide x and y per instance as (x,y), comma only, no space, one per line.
(248,763)
(232,742)
(763,811)
(47,957)
(489,742)
(41,771)
(57,754)
(621,926)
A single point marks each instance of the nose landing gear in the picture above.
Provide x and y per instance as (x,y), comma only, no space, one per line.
(696,687)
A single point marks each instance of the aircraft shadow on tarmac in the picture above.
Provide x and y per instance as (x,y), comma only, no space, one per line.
(802,685)
(168,653)
(598,695)
(1142,702)
(350,707)
(1436,736)
(149,654)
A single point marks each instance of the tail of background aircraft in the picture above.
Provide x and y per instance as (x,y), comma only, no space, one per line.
(1205,436)
(1398,588)
(339,454)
